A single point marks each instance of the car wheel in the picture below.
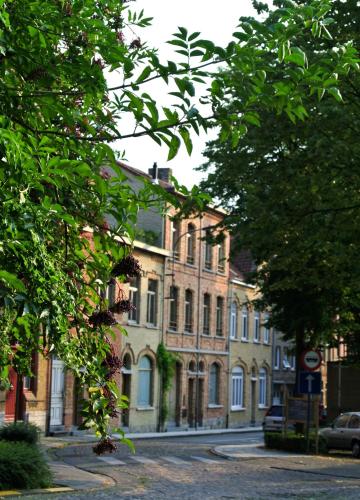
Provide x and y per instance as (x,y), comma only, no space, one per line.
(355,449)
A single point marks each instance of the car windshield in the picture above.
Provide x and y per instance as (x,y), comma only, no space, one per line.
(276,411)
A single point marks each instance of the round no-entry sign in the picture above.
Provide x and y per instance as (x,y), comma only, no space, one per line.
(311,359)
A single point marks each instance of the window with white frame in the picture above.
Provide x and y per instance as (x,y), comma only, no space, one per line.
(175,229)
(245,324)
(277,359)
(266,330)
(134,298)
(151,314)
(221,257)
(173,317)
(189,301)
(214,384)
(286,363)
(208,252)
(237,388)
(206,314)
(219,316)
(256,326)
(145,382)
(262,387)
(293,362)
(191,244)
(233,320)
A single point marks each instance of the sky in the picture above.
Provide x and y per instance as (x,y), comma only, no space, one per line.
(216,21)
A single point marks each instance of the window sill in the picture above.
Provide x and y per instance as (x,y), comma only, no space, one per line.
(193,266)
(170,330)
(263,407)
(267,343)
(214,406)
(277,368)
(211,271)
(205,335)
(151,327)
(190,334)
(244,340)
(234,339)
(220,337)
(256,341)
(221,273)
(145,408)
(238,408)
(133,323)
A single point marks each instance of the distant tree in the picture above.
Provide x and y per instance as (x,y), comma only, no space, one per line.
(291,184)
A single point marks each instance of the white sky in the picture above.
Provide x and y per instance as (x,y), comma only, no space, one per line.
(216,21)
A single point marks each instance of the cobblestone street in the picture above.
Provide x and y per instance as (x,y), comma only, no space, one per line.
(185,468)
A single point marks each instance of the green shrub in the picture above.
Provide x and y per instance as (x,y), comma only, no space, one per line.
(20,431)
(293,442)
(22,465)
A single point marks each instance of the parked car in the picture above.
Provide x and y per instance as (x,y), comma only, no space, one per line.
(344,433)
(274,418)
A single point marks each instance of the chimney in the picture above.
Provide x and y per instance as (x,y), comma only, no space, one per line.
(165,174)
(153,171)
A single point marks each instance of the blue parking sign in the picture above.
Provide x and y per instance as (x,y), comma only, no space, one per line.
(310,383)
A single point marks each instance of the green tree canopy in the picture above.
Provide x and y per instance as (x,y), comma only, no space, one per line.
(291,187)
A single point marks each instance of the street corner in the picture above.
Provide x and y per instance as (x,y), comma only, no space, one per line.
(42,491)
(251,451)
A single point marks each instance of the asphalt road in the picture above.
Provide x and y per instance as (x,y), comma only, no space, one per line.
(184,468)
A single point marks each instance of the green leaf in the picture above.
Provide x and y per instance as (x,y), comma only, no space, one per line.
(173,147)
(144,74)
(193,36)
(335,92)
(187,139)
(12,280)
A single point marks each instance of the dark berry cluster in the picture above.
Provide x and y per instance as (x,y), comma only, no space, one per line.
(128,266)
(99,318)
(112,363)
(122,306)
(104,446)
(135,44)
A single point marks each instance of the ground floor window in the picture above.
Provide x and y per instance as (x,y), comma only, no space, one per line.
(237,388)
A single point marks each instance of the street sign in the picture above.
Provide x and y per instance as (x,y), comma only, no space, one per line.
(310,383)
(311,359)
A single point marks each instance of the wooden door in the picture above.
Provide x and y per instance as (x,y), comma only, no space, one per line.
(57,393)
(10,401)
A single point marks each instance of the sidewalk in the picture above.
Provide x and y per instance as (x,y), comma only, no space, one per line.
(83,437)
(245,451)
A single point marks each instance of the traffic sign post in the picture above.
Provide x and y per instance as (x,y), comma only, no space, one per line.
(311,360)
(310,383)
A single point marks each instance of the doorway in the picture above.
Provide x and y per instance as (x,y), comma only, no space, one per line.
(57,393)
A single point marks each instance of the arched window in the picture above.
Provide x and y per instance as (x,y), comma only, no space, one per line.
(145,382)
(191,244)
(245,324)
(126,368)
(175,229)
(219,316)
(174,308)
(237,388)
(266,329)
(262,387)
(202,367)
(233,320)
(192,366)
(189,307)
(208,252)
(221,257)
(214,381)
(134,297)
(256,326)
(206,314)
